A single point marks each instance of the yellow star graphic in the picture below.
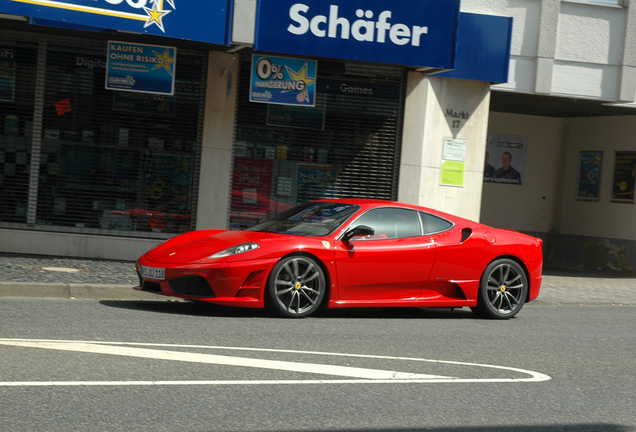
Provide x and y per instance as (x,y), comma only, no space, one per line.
(185,165)
(155,15)
(301,76)
(7,69)
(165,61)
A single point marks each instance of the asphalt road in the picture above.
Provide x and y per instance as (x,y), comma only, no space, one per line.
(90,365)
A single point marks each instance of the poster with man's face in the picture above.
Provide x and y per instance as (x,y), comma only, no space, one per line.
(505,159)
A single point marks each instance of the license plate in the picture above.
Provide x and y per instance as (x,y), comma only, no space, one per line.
(153,273)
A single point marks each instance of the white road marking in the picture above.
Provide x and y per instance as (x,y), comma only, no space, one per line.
(354,375)
(313,368)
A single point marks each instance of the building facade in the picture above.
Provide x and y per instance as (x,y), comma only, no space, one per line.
(92,170)
(570,95)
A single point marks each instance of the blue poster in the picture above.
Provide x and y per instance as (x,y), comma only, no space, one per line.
(590,166)
(140,68)
(7,81)
(284,81)
(315,182)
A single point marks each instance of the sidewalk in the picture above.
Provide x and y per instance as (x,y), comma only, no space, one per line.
(61,277)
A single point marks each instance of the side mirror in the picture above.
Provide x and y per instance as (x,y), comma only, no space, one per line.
(360,230)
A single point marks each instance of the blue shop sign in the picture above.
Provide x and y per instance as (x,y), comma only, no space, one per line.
(284,81)
(420,34)
(140,68)
(483,48)
(205,21)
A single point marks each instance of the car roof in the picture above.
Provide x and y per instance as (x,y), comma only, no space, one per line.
(358,201)
(367,203)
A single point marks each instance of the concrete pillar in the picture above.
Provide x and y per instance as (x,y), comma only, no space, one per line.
(546,46)
(218,132)
(627,88)
(437,109)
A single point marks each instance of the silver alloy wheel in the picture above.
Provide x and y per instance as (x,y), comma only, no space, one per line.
(503,290)
(506,288)
(297,286)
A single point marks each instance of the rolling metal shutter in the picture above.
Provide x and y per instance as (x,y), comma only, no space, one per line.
(347,146)
(18,68)
(76,157)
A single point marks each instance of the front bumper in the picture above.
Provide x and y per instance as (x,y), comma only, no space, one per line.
(240,283)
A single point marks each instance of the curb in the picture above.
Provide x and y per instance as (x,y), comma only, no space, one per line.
(77,291)
(579,302)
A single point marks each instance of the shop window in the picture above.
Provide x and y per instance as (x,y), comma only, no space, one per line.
(347,145)
(17,99)
(113,161)
(76,157)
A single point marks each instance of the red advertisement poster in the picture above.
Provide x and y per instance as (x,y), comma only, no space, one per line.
(251,191)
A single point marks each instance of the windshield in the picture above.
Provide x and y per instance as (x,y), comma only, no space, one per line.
(309,219)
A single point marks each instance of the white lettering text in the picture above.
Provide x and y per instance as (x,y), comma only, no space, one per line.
(363,29)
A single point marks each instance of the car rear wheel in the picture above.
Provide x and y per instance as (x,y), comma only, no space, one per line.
(296,286)
(502,290)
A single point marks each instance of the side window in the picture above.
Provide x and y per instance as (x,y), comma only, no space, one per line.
(390,223)
(433,224)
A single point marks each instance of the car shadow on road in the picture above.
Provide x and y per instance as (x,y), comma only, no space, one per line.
(211,310)
(542,428)
(396,313)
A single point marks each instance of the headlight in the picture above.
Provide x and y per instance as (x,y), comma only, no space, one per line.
(236,250)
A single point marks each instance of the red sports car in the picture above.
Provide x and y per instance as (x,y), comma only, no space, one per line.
(351,253)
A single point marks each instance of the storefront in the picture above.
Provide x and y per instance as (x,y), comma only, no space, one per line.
(141,121)
(102,112)
(79,158)
(347,145)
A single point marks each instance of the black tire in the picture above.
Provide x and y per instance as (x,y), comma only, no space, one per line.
(503,289)
(296,287)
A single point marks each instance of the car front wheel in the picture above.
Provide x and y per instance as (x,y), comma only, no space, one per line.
(296,286)
(502,290)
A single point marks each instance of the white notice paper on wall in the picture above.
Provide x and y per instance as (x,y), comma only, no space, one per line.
(454,149)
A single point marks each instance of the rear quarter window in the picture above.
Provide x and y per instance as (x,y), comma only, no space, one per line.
(434,224)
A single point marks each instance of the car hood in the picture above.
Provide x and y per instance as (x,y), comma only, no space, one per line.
(201,245)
